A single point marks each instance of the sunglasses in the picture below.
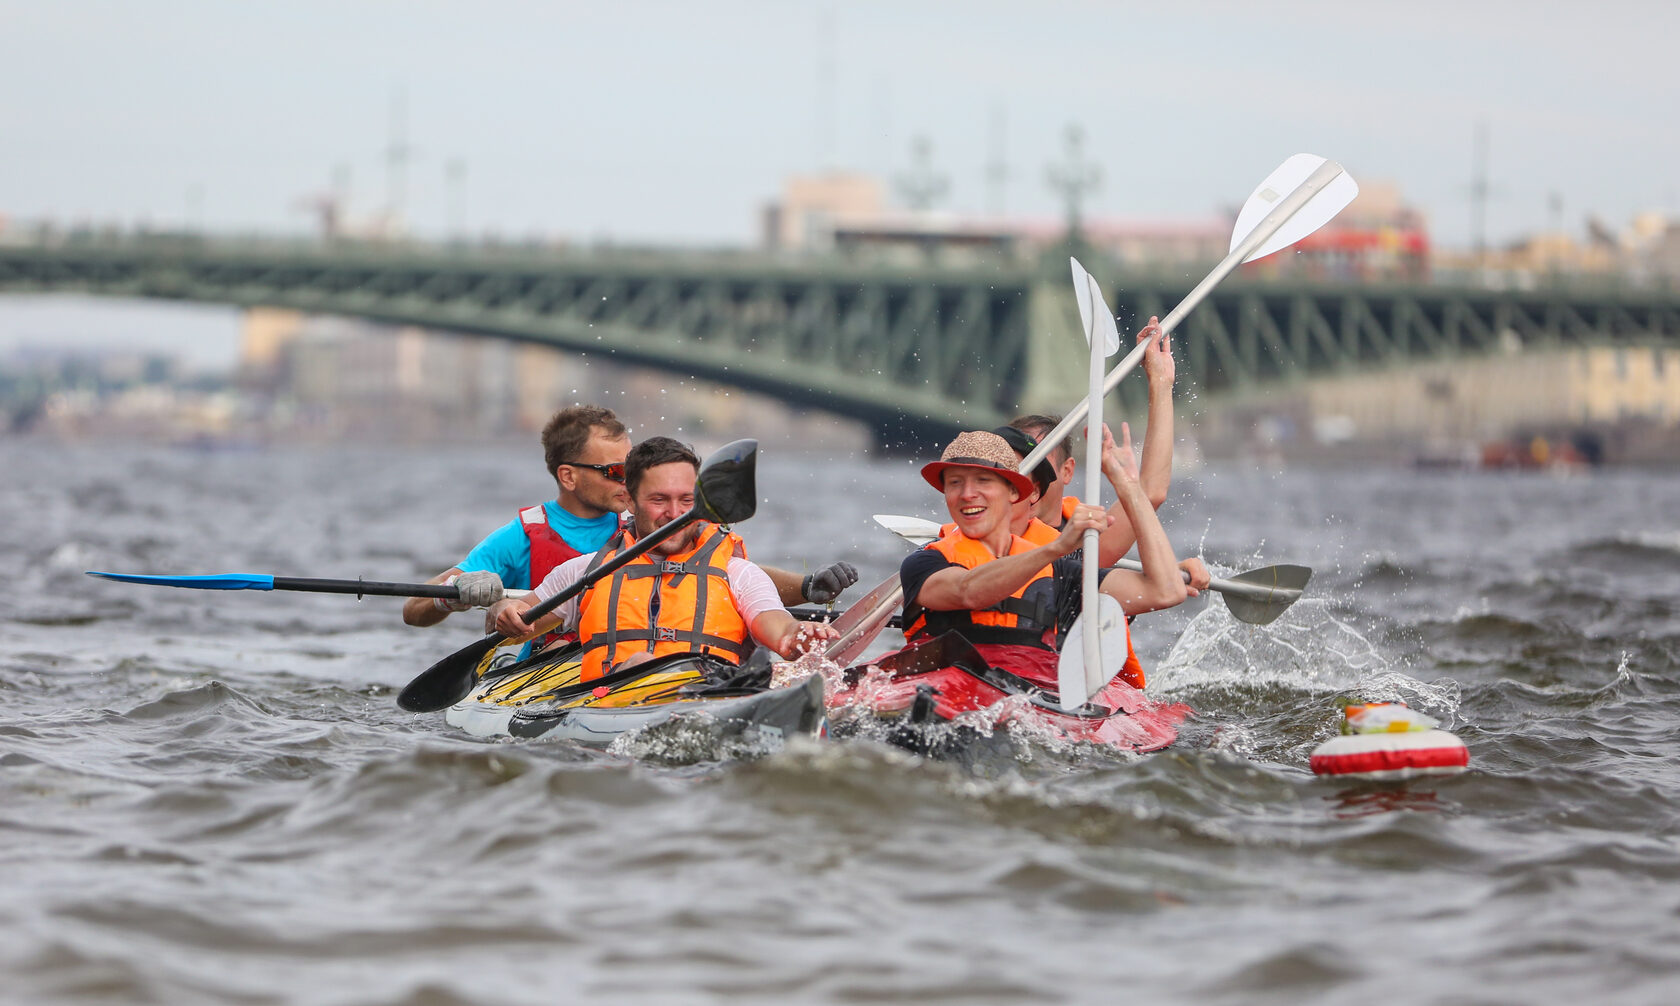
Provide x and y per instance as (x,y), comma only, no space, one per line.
(614,471)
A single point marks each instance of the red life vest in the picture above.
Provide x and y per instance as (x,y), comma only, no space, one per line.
(548,550)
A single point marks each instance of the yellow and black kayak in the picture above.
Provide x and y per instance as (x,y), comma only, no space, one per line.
(544,696)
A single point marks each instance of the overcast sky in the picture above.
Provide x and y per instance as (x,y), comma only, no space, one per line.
(675,122)
(653,122)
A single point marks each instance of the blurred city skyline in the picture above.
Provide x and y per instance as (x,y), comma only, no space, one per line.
(674,123)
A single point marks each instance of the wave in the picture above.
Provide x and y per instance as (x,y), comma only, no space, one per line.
(1658,549)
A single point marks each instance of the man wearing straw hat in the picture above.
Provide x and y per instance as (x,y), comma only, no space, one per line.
(1001,592)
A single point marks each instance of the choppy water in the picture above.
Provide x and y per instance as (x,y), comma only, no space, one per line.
(211,797)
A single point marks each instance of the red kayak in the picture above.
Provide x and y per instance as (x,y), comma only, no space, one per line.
(945,680)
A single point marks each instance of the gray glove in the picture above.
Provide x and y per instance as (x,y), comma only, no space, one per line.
(477,590)
(825,585)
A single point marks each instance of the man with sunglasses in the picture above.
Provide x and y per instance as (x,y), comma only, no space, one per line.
(584,448)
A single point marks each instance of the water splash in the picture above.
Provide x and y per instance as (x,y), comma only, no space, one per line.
(1311,649)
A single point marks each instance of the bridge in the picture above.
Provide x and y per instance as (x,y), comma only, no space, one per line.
(914,351)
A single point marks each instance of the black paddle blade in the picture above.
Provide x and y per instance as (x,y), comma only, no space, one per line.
(728,483)
(449,680)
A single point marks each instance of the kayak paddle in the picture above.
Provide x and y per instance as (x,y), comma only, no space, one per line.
(1299,197)
(1257,596)
(318,585)
(859,624)
(726,492)
(863,607)
(1080,670)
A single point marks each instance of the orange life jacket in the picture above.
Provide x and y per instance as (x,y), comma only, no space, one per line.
(1040,533)
(663,604)
(1037,532)
(1069,505)
(1025,618)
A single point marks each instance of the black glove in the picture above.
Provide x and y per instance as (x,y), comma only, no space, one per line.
(825,585)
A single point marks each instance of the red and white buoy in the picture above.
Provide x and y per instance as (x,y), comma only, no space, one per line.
(1387,740)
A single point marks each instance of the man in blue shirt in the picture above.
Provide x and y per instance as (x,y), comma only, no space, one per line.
(584,448)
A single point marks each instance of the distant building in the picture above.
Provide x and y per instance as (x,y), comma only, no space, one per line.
(1378,235)
(408,383)
(1645,252)
(813,207)
(1626,397)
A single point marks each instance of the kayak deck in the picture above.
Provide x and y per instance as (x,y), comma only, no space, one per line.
(944,682)
(546,697)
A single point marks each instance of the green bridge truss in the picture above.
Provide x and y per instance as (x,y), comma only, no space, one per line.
(914,351)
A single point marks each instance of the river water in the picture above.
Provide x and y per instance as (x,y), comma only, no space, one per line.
(212,797)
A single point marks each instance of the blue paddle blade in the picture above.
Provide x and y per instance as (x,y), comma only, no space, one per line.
(216,581)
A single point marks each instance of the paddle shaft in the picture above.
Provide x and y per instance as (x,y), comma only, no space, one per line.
(1267,226)
(369,588)
(1090,582)
(823,615)
(609,567)
(859,624)
(311,584)
(1252,591)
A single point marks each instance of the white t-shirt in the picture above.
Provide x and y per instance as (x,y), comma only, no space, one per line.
(750,588)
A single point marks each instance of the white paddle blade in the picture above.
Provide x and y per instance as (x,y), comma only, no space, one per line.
(1315,214)
(914,530)
(1075,682)
(1088,292)
(1082,294)
(1105,322)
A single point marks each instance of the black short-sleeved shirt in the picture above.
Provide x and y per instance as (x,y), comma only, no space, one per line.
(1067,572)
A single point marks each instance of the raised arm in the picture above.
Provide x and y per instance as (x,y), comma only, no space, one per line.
(1119,467)
(1159,585)
(1155,472)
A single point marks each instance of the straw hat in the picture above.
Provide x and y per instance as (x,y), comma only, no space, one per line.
(985,451)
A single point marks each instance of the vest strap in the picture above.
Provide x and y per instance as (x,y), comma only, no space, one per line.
(667,634)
